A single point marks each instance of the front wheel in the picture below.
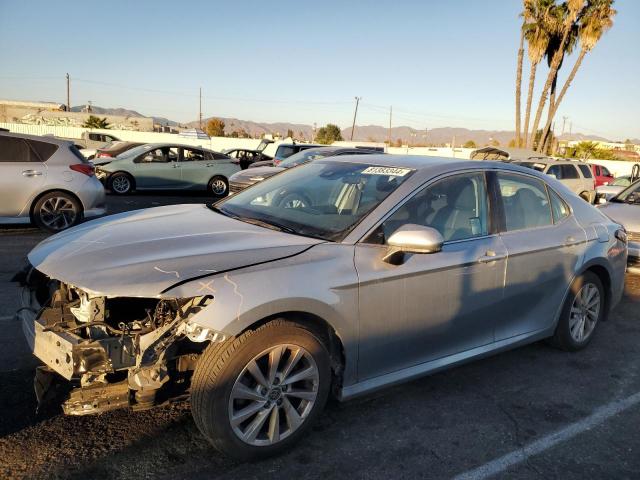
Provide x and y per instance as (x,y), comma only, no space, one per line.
(56,211)
(121,183)
(219,186)
(583,309)
(257,395)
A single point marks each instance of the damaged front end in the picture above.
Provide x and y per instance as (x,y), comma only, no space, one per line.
(115,352)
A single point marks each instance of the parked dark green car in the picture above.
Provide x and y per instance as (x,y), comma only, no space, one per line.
(163,166)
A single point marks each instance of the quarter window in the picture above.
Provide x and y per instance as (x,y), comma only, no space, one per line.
(559,207)
(455,206)
(525,201)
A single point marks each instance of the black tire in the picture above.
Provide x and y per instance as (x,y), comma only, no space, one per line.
(221,367)
(218,186)
(121,183)
(563,338)
(56,211)
(294,200)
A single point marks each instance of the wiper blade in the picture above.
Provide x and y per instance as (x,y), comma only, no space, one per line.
(271,225)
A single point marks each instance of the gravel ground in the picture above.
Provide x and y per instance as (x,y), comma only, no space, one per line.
(436,427)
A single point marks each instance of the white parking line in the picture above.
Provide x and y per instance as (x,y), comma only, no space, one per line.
(599,416)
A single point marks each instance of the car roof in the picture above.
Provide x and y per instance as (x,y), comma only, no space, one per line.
(415,162)
(38,138)
(551,161)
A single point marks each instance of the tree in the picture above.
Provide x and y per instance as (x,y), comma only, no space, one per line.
(215,127)
(519,82)
(329,134)
(469,144)
(96,122)
(289,133)
(596,19)
(537,20)
(571,10)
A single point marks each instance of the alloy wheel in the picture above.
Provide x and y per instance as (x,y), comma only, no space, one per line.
(121,184)
(218,186)
(584,313)
(273,395)
(58,213)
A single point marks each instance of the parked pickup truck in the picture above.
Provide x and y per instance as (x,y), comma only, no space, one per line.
(91,140)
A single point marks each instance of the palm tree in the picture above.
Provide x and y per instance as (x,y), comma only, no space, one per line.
(596,19)
(519,84)
(535,30)
(96,122)
(572,11)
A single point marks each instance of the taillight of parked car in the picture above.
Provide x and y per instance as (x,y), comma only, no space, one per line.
(102,155)
(276,161)
(85,168)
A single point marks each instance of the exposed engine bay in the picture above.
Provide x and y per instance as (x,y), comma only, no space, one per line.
(114,352)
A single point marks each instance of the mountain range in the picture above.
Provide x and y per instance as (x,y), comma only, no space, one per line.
(374,133)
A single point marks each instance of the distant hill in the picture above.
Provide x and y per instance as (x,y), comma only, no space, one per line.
(363,133)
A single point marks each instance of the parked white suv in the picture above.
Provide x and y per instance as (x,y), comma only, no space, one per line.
(46,181)
(576,176)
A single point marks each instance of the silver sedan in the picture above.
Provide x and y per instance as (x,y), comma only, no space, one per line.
(392,268)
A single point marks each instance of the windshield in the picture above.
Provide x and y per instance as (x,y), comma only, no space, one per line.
(320,199)
(536,166)
(305,156)
(135,151)
(631,194)
(621,182)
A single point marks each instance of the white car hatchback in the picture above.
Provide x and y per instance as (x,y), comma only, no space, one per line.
(46,181)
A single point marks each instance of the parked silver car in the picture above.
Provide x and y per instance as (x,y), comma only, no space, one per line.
(46,181)
(396,267)
(624,208)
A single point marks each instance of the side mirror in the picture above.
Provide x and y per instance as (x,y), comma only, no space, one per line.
(412,238)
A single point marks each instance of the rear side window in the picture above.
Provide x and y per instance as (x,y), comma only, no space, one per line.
(525,201)
(565,172)
(586,171)
(15,150)
(559,207)
(43,150)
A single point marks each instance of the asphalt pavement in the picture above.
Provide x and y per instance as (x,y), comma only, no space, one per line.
(533,412)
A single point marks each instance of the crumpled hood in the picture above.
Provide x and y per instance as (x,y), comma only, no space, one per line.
(143,252)
(627,215)
(247,176)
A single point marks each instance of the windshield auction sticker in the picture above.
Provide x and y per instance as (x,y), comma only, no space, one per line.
(391,171)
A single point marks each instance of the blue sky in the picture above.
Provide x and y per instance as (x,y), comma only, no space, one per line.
(439,63)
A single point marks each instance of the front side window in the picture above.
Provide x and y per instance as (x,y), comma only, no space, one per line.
(455,206)
(320,199)
(606,173)
(525,202)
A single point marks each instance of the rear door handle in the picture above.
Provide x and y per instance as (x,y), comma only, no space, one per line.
(31,173)
(491,256)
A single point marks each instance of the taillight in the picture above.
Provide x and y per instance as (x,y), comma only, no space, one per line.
(102,155)
(84,168)
(277,162)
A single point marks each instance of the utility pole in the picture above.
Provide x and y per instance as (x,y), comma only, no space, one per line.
(68,96)
(200,115)
(355,113)
(564,120)
(570,128)
(390,115)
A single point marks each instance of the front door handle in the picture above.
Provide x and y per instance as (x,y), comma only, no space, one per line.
(491,256)
(31,173)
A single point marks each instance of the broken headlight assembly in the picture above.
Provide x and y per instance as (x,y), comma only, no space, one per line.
(115,352)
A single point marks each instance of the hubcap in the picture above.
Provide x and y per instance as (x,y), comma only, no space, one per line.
(585,311)
(273,395)
(121,184)
(218,187)
(58,213)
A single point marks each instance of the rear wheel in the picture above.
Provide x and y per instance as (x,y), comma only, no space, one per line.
(258,394)
(121,183)
(56,211)
(583,309)
(219,186)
